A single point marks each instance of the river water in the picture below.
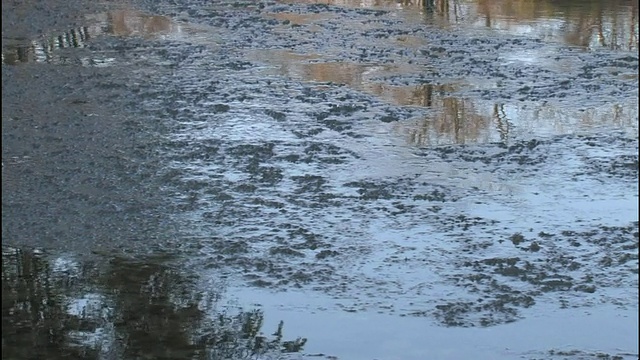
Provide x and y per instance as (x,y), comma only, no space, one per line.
(321,179)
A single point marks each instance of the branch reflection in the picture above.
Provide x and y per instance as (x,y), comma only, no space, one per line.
(60,308)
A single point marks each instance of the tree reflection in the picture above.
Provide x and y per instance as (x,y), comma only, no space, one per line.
(455,120)
(503,124)
(123,309)
(593,23)
(34,317)
(586,23)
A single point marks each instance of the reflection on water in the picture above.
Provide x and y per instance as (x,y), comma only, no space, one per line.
(60,308)
(43,51)
(425,95)
(450,119)
(459,121)
(116,23)
(131,23)
(301,19)
(314,67)
(588,24)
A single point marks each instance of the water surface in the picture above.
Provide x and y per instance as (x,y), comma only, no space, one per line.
(384,177)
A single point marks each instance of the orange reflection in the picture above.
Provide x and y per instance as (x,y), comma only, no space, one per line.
(611,24)
(450,119)
(460,121)
(301,19)
(314,67)
(364,3)
(339,72)
(455,121)
(585,23)
(425,95)
(133,23)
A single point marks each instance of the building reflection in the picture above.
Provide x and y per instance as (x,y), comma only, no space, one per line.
(44,51)
(588,24)
(58,308)
(116,23)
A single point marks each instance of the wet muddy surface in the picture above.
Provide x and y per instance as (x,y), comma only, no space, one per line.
(432,180)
